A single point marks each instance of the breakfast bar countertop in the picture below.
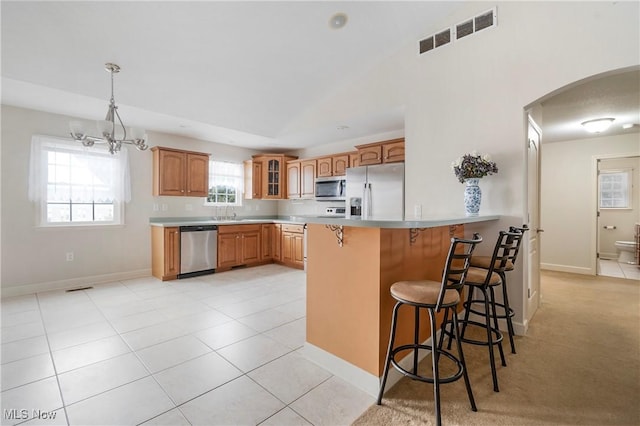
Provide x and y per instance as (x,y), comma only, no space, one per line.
(323,220)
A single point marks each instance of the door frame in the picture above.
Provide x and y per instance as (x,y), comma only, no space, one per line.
(593,263)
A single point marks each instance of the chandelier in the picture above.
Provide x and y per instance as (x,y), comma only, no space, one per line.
(108,127)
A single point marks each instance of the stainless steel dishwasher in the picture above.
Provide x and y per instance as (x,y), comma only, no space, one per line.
(198,250)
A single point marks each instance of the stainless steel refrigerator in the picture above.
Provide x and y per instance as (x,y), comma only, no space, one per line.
(376,192)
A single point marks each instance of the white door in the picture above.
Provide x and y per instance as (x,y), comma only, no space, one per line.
(533,186)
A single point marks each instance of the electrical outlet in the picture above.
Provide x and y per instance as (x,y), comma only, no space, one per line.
(156,207)
(165,207)
(70,256)
(417,211)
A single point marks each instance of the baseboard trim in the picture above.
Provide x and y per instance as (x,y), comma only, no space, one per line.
(354,375)
(23,290)
(566,268)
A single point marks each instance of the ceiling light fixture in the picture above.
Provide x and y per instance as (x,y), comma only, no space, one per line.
(598,125)
(107,127)
(338,20)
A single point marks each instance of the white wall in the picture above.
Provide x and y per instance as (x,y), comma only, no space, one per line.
(33,259)
(568,195)
(470,94)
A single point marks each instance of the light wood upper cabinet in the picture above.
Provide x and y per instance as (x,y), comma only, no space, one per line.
(325,167)
(335,165)
(197,175)
(180,173)
(257,180)
(293,179)
(391,151)
(370,154)
(307,178)
(340,164)
(252,180)
(273,175)
(301,175)
(354,159)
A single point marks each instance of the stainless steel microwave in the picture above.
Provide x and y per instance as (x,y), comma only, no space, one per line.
(331,188)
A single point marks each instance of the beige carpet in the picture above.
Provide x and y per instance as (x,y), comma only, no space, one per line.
(579,364)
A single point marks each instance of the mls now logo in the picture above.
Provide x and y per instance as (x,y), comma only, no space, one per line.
(23,414)
(15,414)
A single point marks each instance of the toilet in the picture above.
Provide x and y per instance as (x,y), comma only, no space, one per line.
(627,250)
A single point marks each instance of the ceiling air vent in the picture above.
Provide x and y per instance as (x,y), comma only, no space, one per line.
(463,29)
(485,20)
(426,45)
(443,37)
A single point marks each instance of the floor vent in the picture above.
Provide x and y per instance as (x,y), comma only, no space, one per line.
(470,26)
(78,289)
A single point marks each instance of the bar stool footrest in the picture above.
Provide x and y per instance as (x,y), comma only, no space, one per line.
(498,314)
(452,378)
(497,334)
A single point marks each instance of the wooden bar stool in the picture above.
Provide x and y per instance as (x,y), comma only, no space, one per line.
(483,262)
(485,280)
(433,296)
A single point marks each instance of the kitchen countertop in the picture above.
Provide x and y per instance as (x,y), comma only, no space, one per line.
(337,221)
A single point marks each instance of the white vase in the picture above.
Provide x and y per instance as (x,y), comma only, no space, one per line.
(472,197)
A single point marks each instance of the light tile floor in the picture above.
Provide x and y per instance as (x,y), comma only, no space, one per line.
(611,268)
(216,349)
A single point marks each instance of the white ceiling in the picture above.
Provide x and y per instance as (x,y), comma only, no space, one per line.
(616,95)
(239,72)
(231,72)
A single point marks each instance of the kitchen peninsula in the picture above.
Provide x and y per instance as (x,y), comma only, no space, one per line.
(352,265)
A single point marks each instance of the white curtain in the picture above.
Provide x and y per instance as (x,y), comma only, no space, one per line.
(63,169)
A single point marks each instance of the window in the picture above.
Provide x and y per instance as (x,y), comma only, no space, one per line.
(75,185)
(225,184)
(615,189)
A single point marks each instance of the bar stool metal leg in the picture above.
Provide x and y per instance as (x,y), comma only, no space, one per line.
(435,354)
(492,359)
(387,362)
(496,325)
(456,331)
(508,312)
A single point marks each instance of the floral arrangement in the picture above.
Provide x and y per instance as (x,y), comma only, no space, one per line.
(473,165)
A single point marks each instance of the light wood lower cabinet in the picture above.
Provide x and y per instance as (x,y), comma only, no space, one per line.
(238,245)
(293,246)
(165,252)
(271,234)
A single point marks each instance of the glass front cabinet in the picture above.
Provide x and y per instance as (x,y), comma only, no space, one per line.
(273,175)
